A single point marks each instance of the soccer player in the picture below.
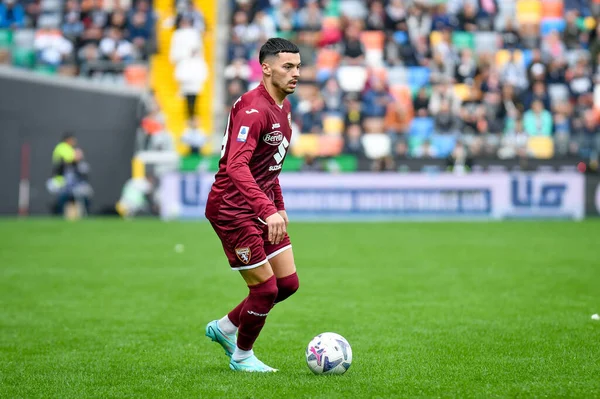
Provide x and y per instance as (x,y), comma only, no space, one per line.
(245,205)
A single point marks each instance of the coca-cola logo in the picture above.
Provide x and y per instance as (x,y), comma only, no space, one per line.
(273,138)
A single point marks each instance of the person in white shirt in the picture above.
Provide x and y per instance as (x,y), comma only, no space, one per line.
(52,47)
(191,73)
(185,40)
(115,48)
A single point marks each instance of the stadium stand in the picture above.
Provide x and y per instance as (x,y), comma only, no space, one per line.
(426,74)
(381,78)
(99,40)
(139,43)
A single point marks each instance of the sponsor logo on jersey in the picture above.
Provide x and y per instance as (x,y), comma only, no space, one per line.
(275,126)
(243,254)
(274,168)
(273,138)
(243,134)
(290,119)
(252,111)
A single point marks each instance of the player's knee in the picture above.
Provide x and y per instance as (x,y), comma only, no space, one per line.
(287,287)
(265,292)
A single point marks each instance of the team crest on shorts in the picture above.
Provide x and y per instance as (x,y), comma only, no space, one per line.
(290,119)
(243,255)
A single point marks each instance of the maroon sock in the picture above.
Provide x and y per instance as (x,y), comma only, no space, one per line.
(286,287)
(254,312)
(234,315)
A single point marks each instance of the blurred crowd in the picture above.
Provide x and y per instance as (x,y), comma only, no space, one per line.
(92,38)
(499,78)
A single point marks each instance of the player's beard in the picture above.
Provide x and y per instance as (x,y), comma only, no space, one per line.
(285,86)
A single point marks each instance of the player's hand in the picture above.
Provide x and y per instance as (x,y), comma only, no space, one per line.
(276,228)
(285,217)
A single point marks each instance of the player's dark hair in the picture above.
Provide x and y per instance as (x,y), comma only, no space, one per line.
(276,45)
(67,136)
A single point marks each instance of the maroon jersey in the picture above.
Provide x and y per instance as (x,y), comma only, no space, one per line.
(254,147)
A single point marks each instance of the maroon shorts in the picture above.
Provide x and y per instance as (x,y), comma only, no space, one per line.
(248,246)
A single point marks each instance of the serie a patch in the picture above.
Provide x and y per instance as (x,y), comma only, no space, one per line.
(243,134)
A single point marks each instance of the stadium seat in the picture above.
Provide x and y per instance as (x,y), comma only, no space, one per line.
(308,143)
(286,34)
(435,38)
(443,144)
(328,59)
(330,146)
(552,9)
(486,42)
(540,147)
(549,25)
(401,93)
(421,128)
(50,19)
(374,58)
(136,75)
(529,11)
(587,23)
(507,7)
(352,78)
(24,38)
(462,40)
(526,57)
(503,56)
(461,91)
(418,77)
(332,9)
(401,37)
(45,69)
(333,125)
(23,57)
(398,75)
(376,145)
(323,75)
(51,5)
(373,40)
(6,38)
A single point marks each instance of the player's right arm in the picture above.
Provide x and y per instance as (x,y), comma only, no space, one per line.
(245,133)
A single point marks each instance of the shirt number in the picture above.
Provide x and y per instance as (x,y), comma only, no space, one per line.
(281,150)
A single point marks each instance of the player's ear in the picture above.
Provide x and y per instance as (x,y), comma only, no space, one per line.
(266,68)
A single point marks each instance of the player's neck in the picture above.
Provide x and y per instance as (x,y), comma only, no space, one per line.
(277,96)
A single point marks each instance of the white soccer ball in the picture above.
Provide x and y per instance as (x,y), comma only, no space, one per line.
(329,353)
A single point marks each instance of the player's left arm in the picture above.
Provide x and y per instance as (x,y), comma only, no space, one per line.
(278,196)
(278,201)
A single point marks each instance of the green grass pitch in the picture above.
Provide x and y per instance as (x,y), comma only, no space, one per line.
(108,309)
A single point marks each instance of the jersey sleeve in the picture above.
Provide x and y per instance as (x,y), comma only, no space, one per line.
(278,197)
(247,126)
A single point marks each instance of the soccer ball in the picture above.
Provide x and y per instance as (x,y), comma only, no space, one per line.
(329,353)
